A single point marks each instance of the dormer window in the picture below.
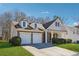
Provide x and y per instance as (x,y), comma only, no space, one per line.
(35,25)
(24,24)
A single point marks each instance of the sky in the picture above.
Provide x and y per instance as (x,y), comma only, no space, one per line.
(68,12)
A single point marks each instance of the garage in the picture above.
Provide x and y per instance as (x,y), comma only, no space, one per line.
(37,38)
(30,37)
(26,37)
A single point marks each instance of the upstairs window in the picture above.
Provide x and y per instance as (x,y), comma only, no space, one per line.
(57,24)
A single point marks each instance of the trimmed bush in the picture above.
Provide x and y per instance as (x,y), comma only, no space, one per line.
(68,41)
(15,41)
(58,40)
(61,40)
(78,42)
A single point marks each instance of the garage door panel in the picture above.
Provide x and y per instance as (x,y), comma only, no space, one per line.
(37,38)
(26,37)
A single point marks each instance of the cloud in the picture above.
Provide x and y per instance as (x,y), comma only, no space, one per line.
(76,23)
(44,12)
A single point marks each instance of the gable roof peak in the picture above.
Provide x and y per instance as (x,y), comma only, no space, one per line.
(57,17)
(46,25)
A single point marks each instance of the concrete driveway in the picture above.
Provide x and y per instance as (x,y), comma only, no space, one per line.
(49,50)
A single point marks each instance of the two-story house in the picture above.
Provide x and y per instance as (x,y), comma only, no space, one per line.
(33,33)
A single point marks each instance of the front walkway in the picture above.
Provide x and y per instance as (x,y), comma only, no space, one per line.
(38,50)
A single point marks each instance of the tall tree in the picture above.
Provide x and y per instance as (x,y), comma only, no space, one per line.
(6,18)
(19,15)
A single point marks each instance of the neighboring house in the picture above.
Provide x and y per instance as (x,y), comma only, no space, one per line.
(32,33)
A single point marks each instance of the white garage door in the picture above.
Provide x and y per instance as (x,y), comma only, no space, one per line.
(37,37)
(26,37)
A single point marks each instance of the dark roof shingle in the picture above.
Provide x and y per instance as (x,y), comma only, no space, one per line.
(46,25)
(28,27)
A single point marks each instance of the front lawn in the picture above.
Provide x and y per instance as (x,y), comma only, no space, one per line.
(73,47)
(7,50)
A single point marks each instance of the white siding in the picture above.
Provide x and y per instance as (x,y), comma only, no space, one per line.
(71,35)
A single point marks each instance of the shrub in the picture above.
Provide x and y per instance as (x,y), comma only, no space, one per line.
(58,40)
(0,38)
(68,41)
(77,41)
(15,41)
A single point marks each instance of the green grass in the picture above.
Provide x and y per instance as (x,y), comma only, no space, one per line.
(73,47)
(7,50)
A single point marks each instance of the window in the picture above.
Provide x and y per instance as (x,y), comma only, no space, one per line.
(73,32)
(35,25)
(77,31)
(66,32)
(57,24)
(24,24)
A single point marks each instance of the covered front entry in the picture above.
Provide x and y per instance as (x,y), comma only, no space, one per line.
(56,34)
(30,37)
(53,34)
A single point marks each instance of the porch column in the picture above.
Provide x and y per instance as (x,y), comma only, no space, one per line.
(45,36)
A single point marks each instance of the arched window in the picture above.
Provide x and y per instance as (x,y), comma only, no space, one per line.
(55,35)
(24,24)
